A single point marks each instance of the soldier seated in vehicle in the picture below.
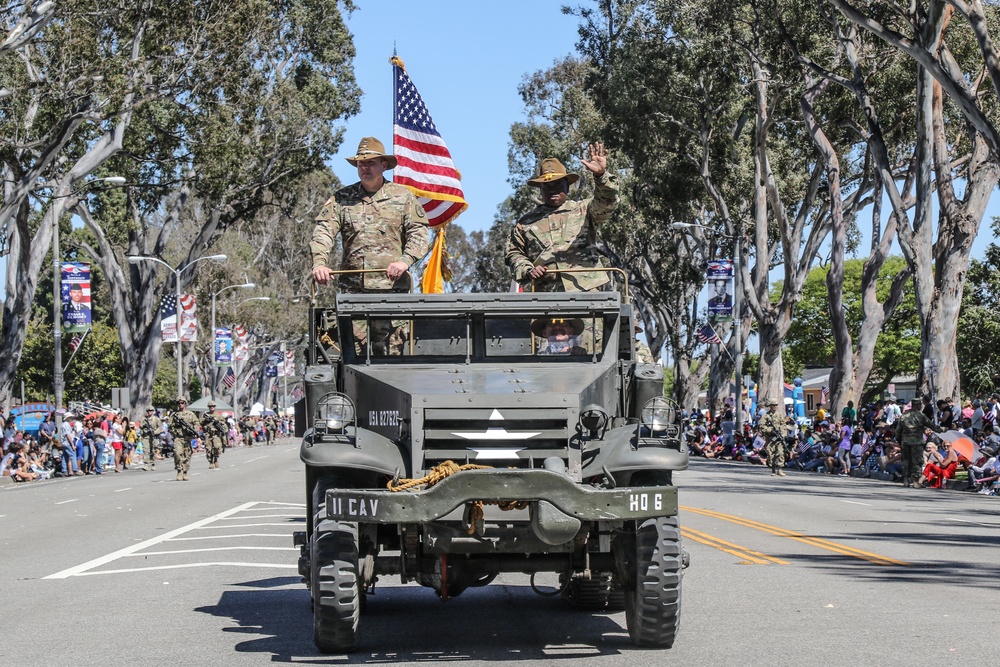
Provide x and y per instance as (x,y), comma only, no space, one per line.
(559,335)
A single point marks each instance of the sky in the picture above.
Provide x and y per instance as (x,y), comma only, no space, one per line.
(466,59)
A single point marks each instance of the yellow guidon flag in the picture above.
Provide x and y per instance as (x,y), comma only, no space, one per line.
(436,272)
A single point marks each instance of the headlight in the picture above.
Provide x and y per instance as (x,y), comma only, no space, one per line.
(333,413)
(658,414)
(594,419)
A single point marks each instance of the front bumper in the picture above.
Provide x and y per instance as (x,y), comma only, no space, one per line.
(575,500)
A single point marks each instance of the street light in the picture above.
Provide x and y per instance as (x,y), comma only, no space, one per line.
(211,390)
(737,309)
(57,376)
(135,259)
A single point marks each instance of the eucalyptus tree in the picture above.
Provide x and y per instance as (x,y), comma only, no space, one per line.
(957,83)
(211,111)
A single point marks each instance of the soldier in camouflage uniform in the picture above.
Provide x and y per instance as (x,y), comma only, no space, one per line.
(246,428)
(561,234)
(183,428)
(151,427)
(910,430)
(772,427)
(269,429)
(643,355)
(215,433)
(381,225)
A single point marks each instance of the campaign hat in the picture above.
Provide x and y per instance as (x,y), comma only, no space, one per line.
(371,148)
(552,170)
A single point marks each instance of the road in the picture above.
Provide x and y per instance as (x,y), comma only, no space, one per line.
(137,568)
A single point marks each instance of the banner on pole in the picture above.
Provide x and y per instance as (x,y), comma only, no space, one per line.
(75,291)
(719,276)
(223,347)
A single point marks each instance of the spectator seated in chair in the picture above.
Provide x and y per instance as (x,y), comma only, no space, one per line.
(938,472)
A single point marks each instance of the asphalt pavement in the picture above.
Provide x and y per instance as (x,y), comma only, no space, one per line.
(138,568)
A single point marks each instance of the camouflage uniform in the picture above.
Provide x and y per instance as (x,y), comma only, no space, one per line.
(151,427)
(563,238)
(910,429)
(643,355)
(215,433)
(375,231)
(182,424)
(772,427)
(269,429)
(246,427)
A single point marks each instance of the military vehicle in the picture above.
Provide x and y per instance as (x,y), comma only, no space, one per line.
(469,447)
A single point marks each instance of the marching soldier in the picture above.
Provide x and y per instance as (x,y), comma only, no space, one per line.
(183,428)
(269,429)
(151,427)
(215,433)
(246,427)
(772,427)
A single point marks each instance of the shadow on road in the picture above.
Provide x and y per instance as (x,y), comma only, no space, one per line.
(408,624)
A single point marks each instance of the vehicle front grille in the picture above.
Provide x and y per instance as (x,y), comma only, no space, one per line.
(503,437)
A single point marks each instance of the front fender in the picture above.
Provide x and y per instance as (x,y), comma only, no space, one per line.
(359,449)
(620,450)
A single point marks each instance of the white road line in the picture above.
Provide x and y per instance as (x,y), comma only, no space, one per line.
(853,502)
(245,525)
(97,562)
(63,502)
(261,516)
(127,488)
(272,502)
(256,459)
(197,551)
(283,536)
(279,566)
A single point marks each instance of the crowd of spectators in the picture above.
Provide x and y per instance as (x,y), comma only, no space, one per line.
(105,441)
(862,443)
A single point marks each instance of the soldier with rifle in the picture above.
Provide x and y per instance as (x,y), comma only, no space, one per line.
(772,427)
(215,434)
(151,427)
(184,429)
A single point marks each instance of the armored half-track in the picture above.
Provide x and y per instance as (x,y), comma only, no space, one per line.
(468,446)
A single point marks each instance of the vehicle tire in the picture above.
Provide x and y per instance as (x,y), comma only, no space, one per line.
(653,561)
(334,578)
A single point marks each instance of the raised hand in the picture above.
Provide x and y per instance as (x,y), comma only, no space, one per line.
(598,162)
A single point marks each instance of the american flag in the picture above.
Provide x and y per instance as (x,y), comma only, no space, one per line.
(707,334)
(229,379)
(824,395)
(425,164)
(74,342)
(250,379)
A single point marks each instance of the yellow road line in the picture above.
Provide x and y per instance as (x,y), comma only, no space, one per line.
(750,555)
(799,537)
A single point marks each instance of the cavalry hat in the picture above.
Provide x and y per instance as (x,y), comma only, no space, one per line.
(538,326)
(371,148)
(552,170)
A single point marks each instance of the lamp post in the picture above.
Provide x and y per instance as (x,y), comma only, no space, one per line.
(737,309)
(215,354)
(135,259)
(57,371)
